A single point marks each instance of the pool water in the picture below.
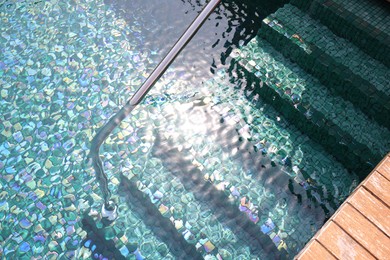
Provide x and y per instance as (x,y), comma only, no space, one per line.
(180,167)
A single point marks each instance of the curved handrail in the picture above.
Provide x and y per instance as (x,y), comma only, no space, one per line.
(115,120)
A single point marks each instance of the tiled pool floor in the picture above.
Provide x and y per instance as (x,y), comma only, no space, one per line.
(65,69)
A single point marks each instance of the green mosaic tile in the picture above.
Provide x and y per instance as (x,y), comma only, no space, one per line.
(50,85)
(271,137)
(339,49)
(345,18)
(305,93)
(372,12)
(303,50)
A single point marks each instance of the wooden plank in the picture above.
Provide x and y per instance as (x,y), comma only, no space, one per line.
(384,168)
(361,226)
(314,251)
(379,186)
(372,208)
(363,231)
(340,244)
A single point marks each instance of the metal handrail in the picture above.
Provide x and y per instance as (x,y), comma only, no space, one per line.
(115,120)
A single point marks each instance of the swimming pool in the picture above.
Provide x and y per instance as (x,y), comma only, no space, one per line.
(201,169)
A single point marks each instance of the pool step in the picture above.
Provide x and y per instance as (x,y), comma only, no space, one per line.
(265,183)
(355,140)
(174,202)
(336,62)
(365,23)
(180,164)
(271,173)
(161,226)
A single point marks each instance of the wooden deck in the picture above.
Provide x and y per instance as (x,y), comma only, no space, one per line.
(360,228)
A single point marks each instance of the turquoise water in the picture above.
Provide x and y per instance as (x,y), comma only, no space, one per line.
(194,148)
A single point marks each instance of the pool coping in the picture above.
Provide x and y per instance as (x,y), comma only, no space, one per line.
(359,227)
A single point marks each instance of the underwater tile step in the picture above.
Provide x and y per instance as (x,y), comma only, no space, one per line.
(160,226)
(343,51)
(312,33)
(193,220)
(224,210)
(261,189)
(363,22)
(372,99)
(233,162)
(203,244)
(373,12)
(355,140)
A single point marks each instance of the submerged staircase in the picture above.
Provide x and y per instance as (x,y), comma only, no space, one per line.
(365,23)
(330,79)
(331,83)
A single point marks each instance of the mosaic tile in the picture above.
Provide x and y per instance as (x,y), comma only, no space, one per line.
(352,85)
(54,153)
(316,97)
(204,164)
(340,49)
(58,91)
(361,22)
